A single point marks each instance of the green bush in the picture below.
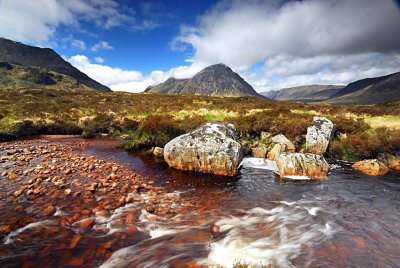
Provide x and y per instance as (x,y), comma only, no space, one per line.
(155,130)
(101,123)
(365,145)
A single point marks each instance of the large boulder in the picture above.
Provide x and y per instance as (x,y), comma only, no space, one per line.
(392,161)
(283,145)
(371,167)
(319,135)
(298,164)
(211,148)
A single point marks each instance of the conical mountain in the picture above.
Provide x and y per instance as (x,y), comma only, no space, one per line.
(215,80)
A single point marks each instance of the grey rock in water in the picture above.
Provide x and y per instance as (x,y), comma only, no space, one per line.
(371,167)
(319,135)
(215,80)
(298,164)
(211,148)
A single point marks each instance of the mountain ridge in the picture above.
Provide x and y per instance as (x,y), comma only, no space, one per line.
(20,54)
(369,90)
(307,93)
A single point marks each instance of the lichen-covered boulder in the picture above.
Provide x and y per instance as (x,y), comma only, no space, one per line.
(392,161)
(319,135)
(283,145)
(371,167)
(211,148)
(276,151)
(281,139)
(298,164)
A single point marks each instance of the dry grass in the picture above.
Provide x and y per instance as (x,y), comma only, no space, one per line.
(58,111)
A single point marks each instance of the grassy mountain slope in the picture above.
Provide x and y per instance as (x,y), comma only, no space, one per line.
(19,77)
(21,54)
(311,93)
(369,91)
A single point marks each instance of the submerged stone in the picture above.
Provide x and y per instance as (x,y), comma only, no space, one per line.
(371,167)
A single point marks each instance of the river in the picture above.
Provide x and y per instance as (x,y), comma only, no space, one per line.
(347,220)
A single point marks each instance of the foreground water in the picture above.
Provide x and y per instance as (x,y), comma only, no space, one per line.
(347,220)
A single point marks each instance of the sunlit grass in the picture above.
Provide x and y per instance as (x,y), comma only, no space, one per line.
(388,121)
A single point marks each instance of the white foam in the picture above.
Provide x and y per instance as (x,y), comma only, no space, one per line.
(287,229)
(298,178)
(259,163)
(313,211)
(14,234)
(58,212)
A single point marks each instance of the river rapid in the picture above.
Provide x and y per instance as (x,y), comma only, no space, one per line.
(347,220)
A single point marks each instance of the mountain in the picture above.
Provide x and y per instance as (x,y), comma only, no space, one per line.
(21,54)
(311,93)
(369,91)
(215,80)
(21,77)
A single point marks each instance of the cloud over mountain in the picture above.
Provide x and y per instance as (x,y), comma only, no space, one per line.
(298,41)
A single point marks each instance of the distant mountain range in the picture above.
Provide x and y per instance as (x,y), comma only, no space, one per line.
(369,91)
(215,80)
(48,60)
(364,91)
(311,93)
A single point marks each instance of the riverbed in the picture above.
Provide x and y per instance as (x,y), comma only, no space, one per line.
(349,219)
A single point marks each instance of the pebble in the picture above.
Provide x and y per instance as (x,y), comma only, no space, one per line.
(215,230)
(49,210)
(86,223)
(43,176)
(74,241)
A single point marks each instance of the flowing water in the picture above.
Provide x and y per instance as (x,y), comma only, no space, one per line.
(348,220)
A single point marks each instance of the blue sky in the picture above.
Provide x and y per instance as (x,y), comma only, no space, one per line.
(143,49)
(129,45)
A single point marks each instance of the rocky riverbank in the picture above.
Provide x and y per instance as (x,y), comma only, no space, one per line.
(46,183)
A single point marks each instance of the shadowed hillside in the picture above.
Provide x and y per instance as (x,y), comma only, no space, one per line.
(19,77)
(369,91)
(20,54)
(312,93)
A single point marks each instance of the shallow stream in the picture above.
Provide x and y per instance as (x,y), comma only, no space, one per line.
(348,220)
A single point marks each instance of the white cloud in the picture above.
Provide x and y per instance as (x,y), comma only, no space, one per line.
(99,60)
(78,44)
(128,80)
(299,42)
(37,21)
(102,45)
(288,71)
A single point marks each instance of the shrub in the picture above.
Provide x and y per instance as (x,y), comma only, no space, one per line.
(155,130)
(365,145)
(101,123)
(349,125)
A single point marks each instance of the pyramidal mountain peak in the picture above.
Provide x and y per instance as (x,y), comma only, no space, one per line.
(214,80)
